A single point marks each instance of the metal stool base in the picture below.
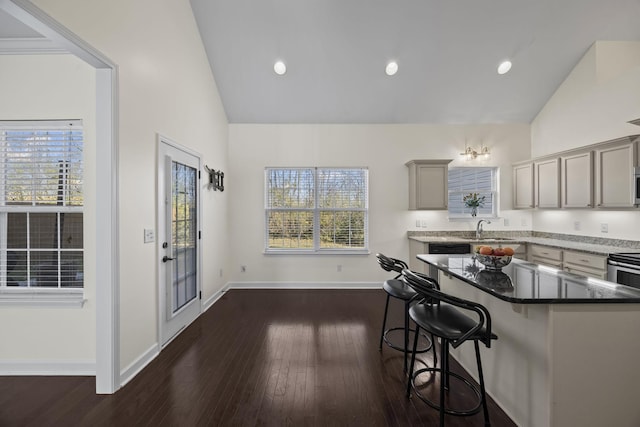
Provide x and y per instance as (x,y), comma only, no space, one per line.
(395,347)
(456,412)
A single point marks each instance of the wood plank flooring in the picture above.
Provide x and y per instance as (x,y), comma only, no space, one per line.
(256,358)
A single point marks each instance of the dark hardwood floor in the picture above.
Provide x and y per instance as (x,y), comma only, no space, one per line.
(257,357)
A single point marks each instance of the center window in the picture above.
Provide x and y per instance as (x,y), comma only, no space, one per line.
(316,210)
(471,187)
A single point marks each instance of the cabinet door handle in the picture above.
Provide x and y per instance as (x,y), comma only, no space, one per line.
(586,261)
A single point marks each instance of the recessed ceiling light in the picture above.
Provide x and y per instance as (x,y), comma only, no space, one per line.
(279,68)
(504,67)
(392,68)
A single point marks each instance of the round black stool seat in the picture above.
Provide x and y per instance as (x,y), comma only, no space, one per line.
(398,289)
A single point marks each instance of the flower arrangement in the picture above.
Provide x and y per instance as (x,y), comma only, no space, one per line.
(473,201)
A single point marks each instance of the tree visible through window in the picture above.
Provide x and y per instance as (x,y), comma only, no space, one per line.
(41,204)
(315,209)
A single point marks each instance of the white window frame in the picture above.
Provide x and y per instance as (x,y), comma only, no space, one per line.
(38,296)
(316,249)
(495,196)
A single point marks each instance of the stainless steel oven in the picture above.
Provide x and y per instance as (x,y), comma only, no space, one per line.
(624,269)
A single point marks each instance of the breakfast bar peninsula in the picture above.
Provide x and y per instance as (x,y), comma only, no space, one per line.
(568,347)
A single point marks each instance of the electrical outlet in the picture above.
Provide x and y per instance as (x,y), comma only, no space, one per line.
(523,222)
(243,269)
(604,228)
(506,222)
(149,235)
(423,223)
(418,223)
(576,225)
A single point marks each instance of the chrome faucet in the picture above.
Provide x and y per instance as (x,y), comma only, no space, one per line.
(479,229)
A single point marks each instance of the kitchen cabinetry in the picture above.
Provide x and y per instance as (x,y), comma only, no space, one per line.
(523,186)
(577,180)
(594,176)
(582,263)
(614,168)
(545,255)
(416,248)
(547,183)
(585,264)
(428,184)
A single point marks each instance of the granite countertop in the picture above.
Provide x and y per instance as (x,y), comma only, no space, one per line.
(560,243)
(528,283)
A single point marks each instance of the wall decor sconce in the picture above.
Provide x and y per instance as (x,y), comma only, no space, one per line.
(471,153)
(216,179)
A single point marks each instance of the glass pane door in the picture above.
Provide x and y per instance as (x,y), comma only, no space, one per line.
(183,235)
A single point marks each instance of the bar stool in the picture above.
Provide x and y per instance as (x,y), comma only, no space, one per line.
(396,288)
(444,316)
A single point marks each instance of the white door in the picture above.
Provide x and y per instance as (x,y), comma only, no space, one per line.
(178,238)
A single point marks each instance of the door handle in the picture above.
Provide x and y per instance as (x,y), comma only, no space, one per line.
(166,258)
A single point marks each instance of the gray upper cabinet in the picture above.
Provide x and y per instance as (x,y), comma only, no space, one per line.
(594,176)
(428,184)
(614,167)
(577,180)
(523,186)
(547,183)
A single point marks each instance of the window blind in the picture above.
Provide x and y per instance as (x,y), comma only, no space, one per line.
(462,181)
(41,164)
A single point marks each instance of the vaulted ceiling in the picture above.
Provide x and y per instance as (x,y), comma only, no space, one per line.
(447,53)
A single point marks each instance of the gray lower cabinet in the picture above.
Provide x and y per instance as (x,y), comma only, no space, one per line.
(577,262)
(416,248)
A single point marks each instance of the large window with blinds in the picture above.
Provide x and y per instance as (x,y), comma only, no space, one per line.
(316,210)
(41,204)
(483,181)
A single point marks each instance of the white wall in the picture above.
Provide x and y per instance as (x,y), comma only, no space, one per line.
(166,87)
(53,87)
(384,149)
(593,104)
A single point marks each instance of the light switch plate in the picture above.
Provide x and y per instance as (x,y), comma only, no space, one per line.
(149,235)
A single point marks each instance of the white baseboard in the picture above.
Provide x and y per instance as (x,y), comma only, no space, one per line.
(206,305)
(304,285)
(48,367)
(138,365)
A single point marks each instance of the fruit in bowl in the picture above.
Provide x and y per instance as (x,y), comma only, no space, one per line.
(494,258)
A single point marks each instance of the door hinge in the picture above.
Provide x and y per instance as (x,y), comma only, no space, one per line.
(199,175)
(200,294)
(199,235)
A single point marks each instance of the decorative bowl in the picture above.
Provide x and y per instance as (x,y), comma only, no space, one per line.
(493,262)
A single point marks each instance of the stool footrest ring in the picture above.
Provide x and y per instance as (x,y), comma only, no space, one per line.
(456,412)
(411,333)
